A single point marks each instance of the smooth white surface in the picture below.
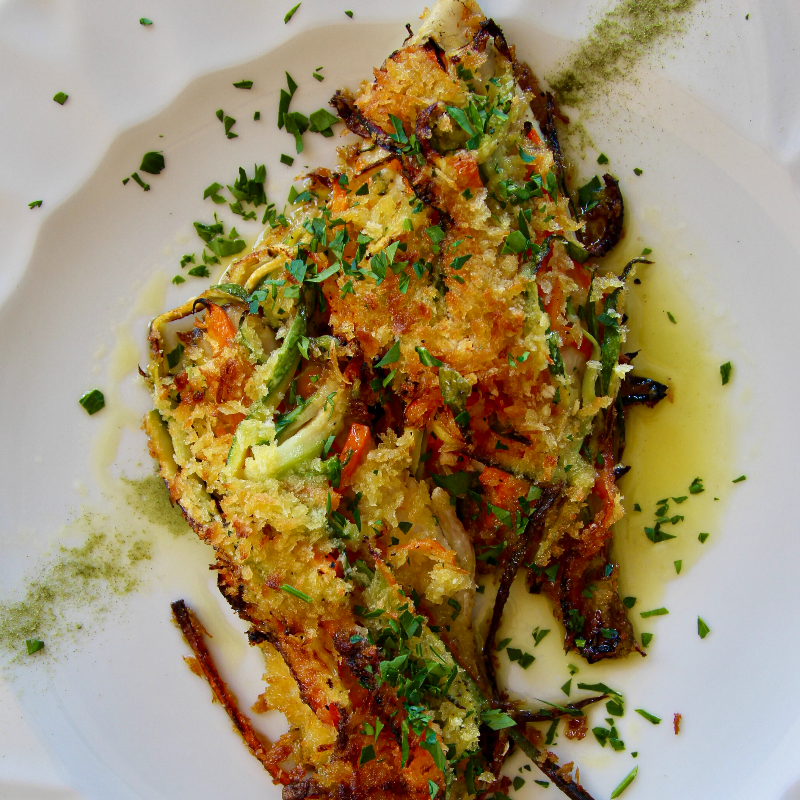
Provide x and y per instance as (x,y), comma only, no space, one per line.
(715,124)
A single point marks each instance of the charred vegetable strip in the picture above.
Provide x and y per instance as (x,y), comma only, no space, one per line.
(413,379)
(194,634)
(533,529)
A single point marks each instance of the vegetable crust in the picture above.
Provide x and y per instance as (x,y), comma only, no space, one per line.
(412,380)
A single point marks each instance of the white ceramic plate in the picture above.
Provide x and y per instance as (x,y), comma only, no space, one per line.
(714,124)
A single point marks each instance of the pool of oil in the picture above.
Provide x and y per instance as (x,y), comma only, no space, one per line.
(689,435)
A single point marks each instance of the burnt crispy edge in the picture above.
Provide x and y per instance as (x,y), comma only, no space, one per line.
(532,529)
(194,633)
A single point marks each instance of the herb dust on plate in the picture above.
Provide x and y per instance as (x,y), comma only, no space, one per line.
(620,39)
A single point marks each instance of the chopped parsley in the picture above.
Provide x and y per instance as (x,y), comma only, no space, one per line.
(696,486)
(602,159)
(656,612)
(609,735)
(648,716)
(497,719)
(702,629)
(615,707)
(626,782)
(646,639)
(290,13)
(152,163)
(321,121)
(725,372)
(671,318)
(212,191)
(637,171)
(539,635)
(740,479)
(522,658)
(257,116)
(92,401)
(145,186)
(35,204)
(288,160)
(145,22)
(456,484)
(174,356)
(295,592)
(427,359)
(392,355)
(567,687)
(702,537)
(244,84)
(60,98)
(349,14)
(678,566)
(33,645)
(629,602)
(367,754)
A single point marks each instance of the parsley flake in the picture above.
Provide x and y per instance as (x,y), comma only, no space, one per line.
(145,186)
(702,629)
(152,163)
(656,612)
(35,204)
(392,355)
(243,84)
(60,98)
(92,401)
(497,719)
(289,589)
(648,716)
(427,359)
(33,645)
(626,782)
(145,22)
(367,752)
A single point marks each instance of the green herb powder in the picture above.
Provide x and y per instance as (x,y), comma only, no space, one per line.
(616,44)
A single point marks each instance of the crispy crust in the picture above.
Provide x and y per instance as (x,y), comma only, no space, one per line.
(464,353)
